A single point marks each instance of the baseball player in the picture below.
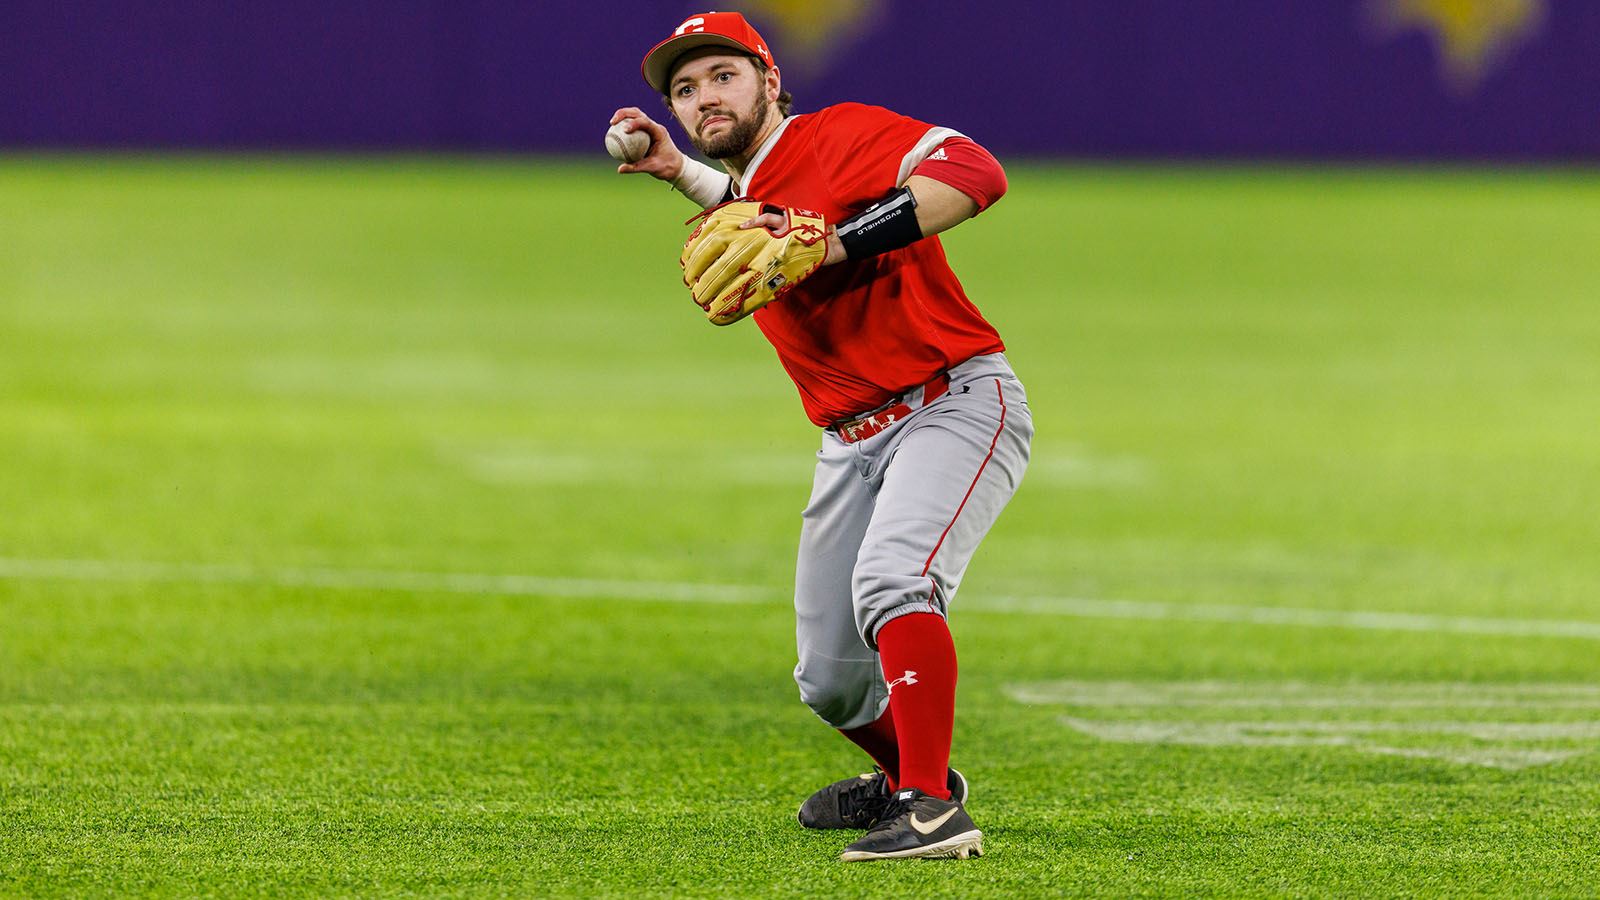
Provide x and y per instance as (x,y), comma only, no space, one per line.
(821,228)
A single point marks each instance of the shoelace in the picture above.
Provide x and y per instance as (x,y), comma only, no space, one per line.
(866,796)
(893,810)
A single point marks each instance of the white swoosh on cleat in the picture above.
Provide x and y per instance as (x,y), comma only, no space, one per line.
(931,827)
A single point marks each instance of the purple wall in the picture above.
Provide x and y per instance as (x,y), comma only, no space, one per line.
(1080,77)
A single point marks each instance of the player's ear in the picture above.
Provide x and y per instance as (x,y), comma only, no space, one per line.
(774,84)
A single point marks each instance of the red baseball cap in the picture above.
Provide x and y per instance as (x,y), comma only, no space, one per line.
(710,29)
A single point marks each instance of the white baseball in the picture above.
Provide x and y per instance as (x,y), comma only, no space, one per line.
(626,146)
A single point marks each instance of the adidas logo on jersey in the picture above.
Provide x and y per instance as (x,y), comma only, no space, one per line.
(939,154)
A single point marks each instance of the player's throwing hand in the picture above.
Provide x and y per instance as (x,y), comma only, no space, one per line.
(664,160)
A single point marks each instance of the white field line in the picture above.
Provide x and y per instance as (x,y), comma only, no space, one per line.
(379,580)
(1307,696)
(17,569)
(1295,616)
(1273,732)
(1442,733)
(1360,736)
(521,464)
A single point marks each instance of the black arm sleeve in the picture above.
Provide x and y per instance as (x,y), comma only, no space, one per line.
(889,224)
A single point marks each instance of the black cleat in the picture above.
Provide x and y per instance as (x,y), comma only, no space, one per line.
(860,801)
(917,826)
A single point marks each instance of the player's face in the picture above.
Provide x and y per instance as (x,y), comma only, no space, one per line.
(721,101)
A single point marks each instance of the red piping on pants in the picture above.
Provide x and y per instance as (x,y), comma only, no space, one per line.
(992,442)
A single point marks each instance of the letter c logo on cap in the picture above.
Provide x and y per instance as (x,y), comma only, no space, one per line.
(698,23)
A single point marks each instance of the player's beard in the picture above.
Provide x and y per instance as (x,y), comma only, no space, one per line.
(737,139)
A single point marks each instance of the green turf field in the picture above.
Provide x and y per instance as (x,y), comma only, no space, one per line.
(383,528)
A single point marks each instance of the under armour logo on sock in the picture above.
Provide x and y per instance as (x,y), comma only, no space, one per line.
(909,677)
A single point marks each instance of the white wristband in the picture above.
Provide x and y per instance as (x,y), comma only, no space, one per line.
(701,183)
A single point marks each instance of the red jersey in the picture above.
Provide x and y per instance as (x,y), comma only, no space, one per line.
(858,333)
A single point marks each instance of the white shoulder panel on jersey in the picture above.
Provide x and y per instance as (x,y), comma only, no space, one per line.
(923,150)
(761,155)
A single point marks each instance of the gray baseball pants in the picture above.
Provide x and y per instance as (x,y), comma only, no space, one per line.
(892,523)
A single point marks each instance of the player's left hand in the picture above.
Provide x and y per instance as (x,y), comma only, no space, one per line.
(746,254)
(775,222)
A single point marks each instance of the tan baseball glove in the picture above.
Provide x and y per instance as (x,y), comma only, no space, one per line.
(731,273)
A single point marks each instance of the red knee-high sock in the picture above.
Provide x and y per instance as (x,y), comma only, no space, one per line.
(879,740)
(919,662)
